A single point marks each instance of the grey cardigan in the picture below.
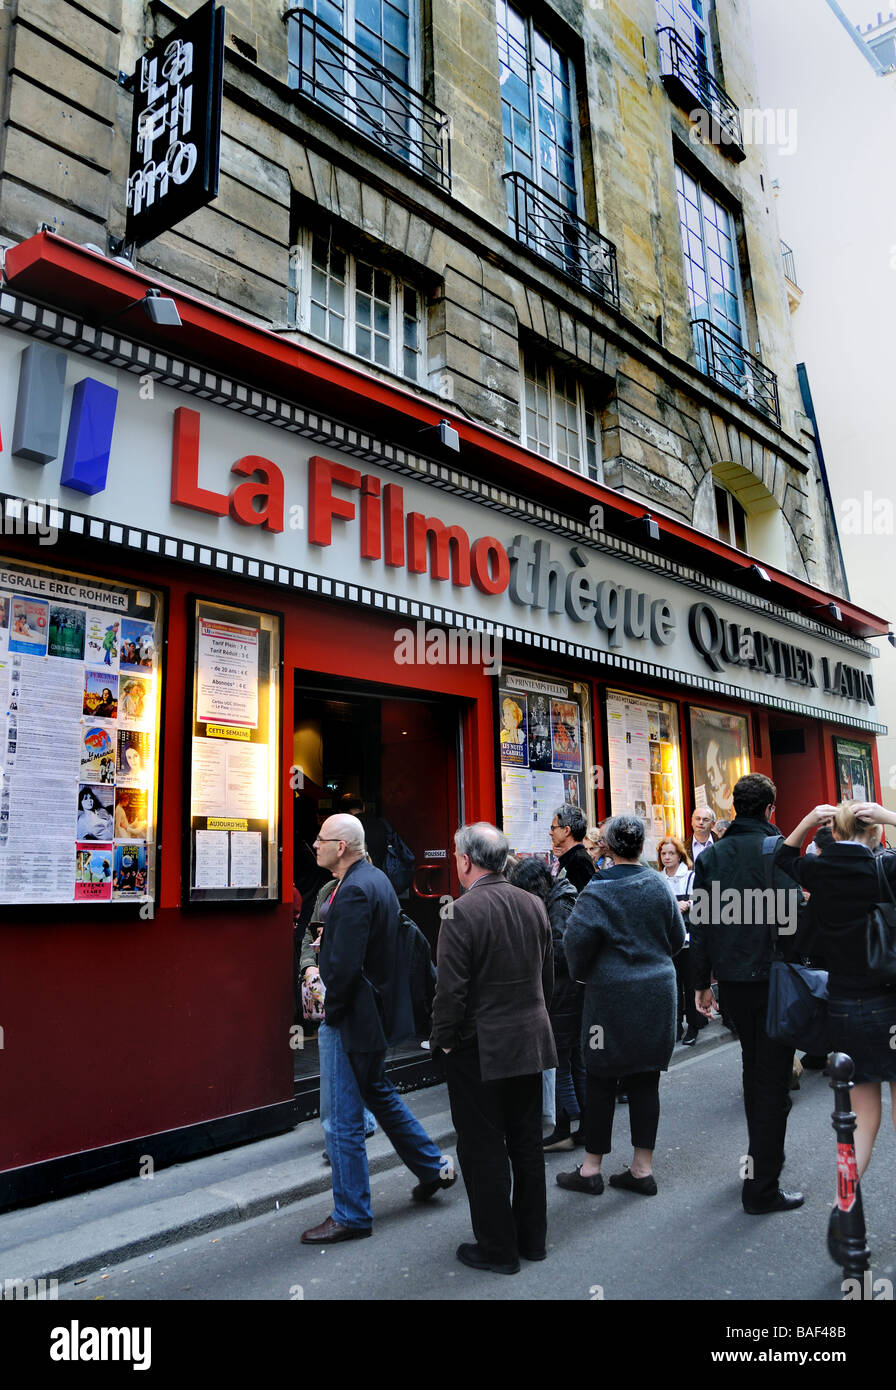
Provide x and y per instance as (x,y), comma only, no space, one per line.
(620,940)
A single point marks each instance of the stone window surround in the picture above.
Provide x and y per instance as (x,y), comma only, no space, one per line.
(587,427)
(300,299)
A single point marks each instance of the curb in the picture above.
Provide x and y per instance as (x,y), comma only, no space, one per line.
(96,1245)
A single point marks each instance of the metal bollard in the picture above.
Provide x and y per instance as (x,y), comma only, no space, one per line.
(847,1245)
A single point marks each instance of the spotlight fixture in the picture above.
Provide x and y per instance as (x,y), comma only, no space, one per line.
(835,613)
(448,435)
(891,638)
(159,308)
(651,527)
(760,573)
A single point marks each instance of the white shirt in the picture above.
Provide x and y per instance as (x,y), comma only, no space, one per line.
(697,848)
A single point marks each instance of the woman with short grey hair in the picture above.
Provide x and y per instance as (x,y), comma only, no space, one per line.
(620,939)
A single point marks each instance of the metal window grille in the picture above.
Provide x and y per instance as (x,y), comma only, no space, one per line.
(557,235)
(340,77)
(689,72)
(733,367)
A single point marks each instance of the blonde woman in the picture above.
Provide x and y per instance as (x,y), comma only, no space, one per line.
(844,882)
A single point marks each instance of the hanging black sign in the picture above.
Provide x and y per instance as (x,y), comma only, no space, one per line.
(176,133)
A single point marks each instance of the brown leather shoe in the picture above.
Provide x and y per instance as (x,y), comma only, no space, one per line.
(330,1232)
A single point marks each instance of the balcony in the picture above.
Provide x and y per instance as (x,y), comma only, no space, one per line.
(560,237)
(688,81)
(342,79)
(722,358)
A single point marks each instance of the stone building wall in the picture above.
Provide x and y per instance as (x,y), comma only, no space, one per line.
(286,163)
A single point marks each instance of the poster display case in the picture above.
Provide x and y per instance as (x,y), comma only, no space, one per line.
(720,754)
(546,755)
(644,753)
(234,766)
(80,694)
(855,770)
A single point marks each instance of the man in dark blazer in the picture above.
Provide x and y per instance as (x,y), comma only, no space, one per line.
(364,976)
(568,830)
(495,977)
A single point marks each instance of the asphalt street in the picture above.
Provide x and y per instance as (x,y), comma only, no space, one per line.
(691,1242)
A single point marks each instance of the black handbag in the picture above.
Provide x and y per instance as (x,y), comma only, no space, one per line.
(880,930)
(798,1006)
(797,1012)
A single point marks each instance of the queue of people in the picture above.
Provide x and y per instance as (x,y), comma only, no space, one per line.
(592,967)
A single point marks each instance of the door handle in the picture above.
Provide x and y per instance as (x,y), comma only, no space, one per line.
(426,869)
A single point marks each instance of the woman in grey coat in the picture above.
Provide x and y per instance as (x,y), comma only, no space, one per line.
(620,940)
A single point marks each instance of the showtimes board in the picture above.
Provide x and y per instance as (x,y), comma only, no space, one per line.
(545,756)
(80,675)
(234,757)
(644,753)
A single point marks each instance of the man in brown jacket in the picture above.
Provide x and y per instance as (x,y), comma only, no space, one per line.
(495,978)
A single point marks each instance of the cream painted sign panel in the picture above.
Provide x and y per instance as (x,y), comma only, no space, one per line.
(203,473)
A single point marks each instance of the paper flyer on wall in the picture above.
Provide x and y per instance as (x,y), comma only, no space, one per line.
(227,676)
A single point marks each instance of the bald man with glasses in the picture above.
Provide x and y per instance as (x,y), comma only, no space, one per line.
(362,968)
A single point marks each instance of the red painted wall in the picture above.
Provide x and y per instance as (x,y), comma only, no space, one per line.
(116,1027)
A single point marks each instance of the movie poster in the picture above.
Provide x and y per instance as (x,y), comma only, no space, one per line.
(514,730)
(100,695)
(855,770)
(129,872)
(67,627)
(101,639)
(566,742)
(28,628)
(720,754)
(97,753)
(93,874)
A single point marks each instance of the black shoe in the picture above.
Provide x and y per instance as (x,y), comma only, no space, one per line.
(628,1181)
(472,1256)
(785,1201)
(534,1255)
(622,1098)
(326,1158)
(560,1137)
(575,1182)
(689,1038)
(425,1191)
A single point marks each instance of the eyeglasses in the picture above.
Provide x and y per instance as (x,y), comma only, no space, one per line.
(328,841)
(556,827)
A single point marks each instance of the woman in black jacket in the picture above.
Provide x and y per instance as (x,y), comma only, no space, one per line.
(843,883)
(565,1011)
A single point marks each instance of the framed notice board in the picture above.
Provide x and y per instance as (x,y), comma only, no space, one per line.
(80,682)
(233,769)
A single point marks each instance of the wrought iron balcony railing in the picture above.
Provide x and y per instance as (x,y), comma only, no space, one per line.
(789,267)
(559,236)
(687,79)
(723,358)
(346,81)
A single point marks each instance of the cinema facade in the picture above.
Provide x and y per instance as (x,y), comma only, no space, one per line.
(238,580)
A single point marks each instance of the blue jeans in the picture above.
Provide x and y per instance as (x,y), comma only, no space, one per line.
(323,1053)
(344,1126)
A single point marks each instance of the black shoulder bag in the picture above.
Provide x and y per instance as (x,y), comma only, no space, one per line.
(880,929)
(797,995)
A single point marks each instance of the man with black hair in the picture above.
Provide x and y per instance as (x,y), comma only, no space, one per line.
(733,923)
(568,830)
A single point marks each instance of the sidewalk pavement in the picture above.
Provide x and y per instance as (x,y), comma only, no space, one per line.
(75,1236)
